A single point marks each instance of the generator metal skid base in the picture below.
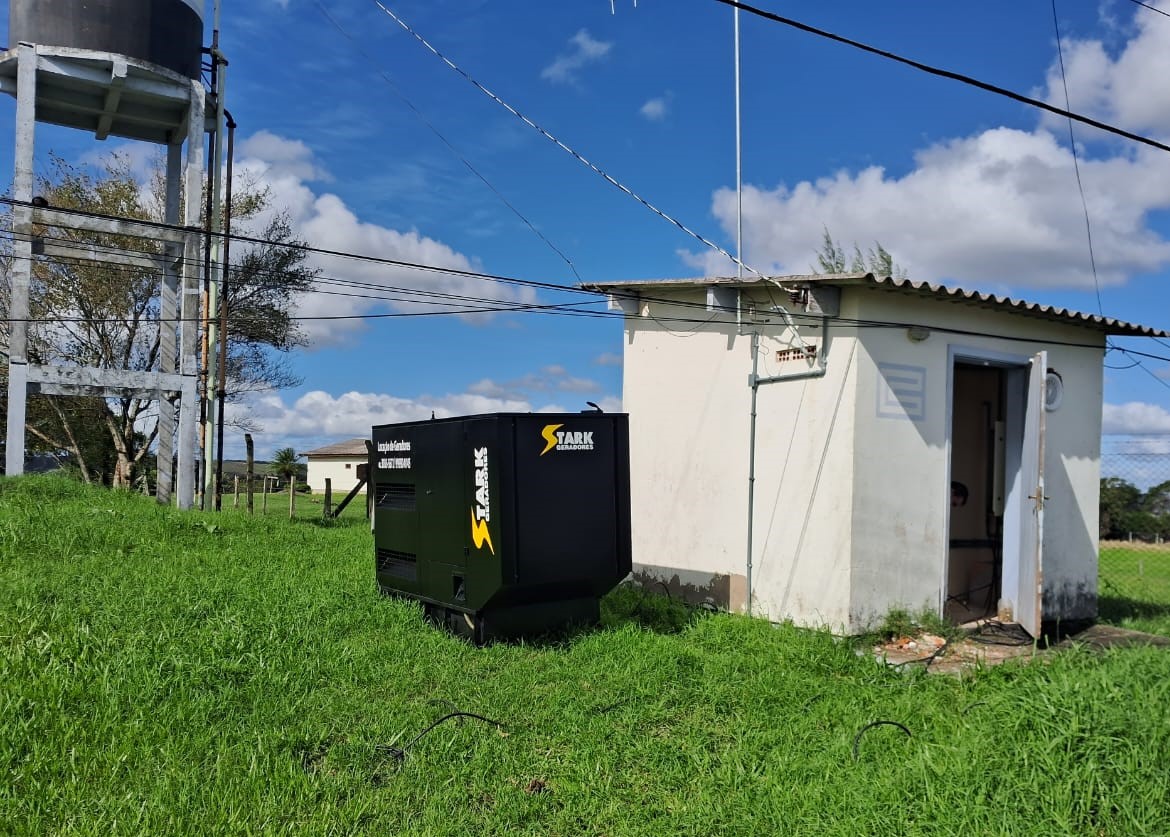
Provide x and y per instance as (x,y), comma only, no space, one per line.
(503,525)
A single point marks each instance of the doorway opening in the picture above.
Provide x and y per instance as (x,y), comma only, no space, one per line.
(979,434)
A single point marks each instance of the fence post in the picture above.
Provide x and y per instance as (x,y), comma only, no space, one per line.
(328,496)
(264,509)
(235,492)
(251,471)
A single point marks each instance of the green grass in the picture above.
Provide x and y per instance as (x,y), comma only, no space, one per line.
(1135,586)
(174,673)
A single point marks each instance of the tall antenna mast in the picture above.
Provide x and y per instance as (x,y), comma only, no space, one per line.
(738,160)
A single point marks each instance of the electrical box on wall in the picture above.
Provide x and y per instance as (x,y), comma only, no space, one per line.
(504,524)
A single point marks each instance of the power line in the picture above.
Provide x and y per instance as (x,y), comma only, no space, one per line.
(558,309)
(306,248)
(418,113)
(1072,144)
(577,156)
(937,71)
(1151,8)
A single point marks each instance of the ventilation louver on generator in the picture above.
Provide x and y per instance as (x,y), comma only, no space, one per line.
(503,525)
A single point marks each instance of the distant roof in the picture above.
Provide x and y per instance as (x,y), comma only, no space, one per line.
(350,447)
(953,294)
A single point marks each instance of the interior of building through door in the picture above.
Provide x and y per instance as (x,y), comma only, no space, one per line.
(975,557)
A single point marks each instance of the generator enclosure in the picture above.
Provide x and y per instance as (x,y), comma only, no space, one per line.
(506,524)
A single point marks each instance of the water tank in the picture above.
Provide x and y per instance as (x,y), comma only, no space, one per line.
(165,32)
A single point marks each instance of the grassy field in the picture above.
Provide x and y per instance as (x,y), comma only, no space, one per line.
(1135,585)
(174,673)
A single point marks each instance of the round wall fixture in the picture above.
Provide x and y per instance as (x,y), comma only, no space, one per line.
(1053,390)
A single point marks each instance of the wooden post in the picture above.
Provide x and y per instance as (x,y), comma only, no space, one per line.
(328,496)
(264,509)
(251,471)
(369,477)
(235,492)
(292,498)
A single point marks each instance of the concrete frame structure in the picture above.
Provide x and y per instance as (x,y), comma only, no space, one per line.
(793,441)
(112,95)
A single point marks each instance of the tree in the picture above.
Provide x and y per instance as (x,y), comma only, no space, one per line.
(1120,503)
(878,261)
(106,316)
(284,465)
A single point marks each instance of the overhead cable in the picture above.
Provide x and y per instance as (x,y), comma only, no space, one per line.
(937,71)
(1151,8)
(418,113)
(1072,144)
(560,144)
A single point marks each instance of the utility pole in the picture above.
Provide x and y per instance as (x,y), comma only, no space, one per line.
(219,77)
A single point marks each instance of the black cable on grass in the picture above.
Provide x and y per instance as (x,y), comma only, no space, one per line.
(646,592)
(871,725)
(971,706)
(994,632)
(399,753)
(450,704)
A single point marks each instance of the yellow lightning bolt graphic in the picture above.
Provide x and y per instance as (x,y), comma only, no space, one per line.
(480,534)
(549,434)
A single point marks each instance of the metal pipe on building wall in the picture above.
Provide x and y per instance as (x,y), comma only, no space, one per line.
(223,307)
(754,381)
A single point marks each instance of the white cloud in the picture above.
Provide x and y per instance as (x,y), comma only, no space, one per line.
(318,418)
(549,379)
(999,208)
(325,221)
(282,157)
(1127,90)
(583,49)
(1134,418)
(608,359)
(994,209)
(656,109)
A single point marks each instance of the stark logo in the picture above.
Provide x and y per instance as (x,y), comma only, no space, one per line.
(481,512)
(557,439)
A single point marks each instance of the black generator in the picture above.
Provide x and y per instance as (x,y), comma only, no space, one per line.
(503,525)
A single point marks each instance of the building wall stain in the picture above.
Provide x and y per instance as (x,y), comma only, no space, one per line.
(1070,600)
(723,591)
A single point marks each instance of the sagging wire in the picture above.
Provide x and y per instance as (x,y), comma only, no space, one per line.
(399,753)
(1072,144)
(564,147)
(554,309)
(947,74)
(418,113)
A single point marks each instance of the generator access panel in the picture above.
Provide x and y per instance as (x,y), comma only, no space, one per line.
(503,524)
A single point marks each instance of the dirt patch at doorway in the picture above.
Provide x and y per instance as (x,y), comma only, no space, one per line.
(992,643)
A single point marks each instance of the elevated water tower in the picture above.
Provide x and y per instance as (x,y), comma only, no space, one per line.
(114,68)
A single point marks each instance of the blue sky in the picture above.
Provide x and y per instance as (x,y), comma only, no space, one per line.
(961,185)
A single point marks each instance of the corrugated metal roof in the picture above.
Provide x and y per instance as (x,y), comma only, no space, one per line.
(1108,325)
(350,447)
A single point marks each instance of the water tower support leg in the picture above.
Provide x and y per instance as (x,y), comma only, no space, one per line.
(21,273)
(189,304)
(168,314)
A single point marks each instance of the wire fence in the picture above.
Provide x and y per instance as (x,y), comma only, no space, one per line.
(1135,520)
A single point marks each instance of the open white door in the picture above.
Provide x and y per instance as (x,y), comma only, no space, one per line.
(1030,581)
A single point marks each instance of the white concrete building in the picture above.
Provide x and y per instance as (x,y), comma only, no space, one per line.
(337,462)
(793,441)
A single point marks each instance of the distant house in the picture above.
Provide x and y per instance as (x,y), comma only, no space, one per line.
(794,440)
(337,463)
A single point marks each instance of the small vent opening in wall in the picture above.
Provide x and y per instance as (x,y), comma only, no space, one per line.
(808,352)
